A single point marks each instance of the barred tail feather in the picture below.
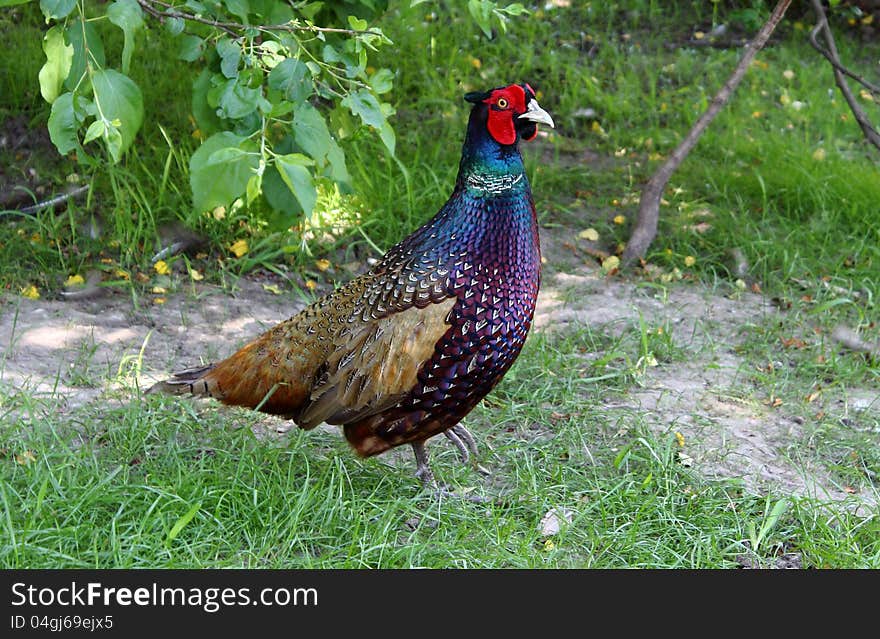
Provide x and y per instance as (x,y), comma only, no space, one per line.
(187,382)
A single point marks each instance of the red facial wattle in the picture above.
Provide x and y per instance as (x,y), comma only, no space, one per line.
(501,120)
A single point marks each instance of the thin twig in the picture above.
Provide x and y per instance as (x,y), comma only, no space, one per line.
(58,199)
(835,62)
(645,229)
(234,28)
(831,54)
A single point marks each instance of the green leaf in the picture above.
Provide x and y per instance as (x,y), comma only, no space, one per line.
(63,124)
(514,9)
(11,3)
(227,155)
(239,8)
(190,48)
(253,188)
(128,16)
(365,105)
(181,523)
(358,24)
(238,100)
(280,198)
(312,135)
(481,12)
(113,140)
(293,78)
(58,58)
(95,130)
(205,114)
(217,183)
(87,45)
(56,9)
(381,81)
(298,179)
(119,98)
(230,56)
(174,26)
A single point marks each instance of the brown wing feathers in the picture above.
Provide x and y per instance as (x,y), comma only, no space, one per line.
(326,364)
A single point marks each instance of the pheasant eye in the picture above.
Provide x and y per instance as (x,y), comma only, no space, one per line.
(502,103)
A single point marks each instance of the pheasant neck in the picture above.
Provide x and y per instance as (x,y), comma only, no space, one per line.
(489,167)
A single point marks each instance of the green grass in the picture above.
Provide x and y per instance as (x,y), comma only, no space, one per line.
(160,482)
(144,482)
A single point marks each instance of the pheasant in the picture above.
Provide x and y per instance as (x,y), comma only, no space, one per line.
(406,350)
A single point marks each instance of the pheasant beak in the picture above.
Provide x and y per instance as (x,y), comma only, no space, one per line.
(535,113)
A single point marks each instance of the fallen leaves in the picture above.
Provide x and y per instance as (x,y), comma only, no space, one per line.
(25,458)
(239,248)
(611,264)
(551,522)
(590,234)
(31,292)
(161,267)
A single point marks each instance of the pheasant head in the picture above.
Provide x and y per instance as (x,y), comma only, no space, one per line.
(509,113)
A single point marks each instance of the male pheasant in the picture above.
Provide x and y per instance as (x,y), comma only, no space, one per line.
(406,350)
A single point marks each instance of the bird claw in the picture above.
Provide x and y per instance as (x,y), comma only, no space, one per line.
(467,447)
(426,475)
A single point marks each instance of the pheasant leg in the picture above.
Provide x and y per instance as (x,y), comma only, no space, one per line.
(423,469)
(426,476)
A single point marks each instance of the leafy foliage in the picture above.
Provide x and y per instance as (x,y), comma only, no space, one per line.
(265,65)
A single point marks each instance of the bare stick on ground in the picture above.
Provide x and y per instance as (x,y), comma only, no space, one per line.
(645,229)
(840,73)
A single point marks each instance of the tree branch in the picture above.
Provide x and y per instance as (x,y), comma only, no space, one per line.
(645,229)
(235,28)
(831,54)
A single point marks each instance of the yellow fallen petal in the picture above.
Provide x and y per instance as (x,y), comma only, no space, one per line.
(159,300)
(311,285)
(322,265)
(25,458)
(590,234)
(31,292)
(679,438)
(611,263)
(74,280)
(819,154)
(239,248)
(272,288)
(162,267)
(619,219)
(193,273)
(690,260)
(158,290)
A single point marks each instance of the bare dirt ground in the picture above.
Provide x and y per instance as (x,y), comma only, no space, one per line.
(69,349)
